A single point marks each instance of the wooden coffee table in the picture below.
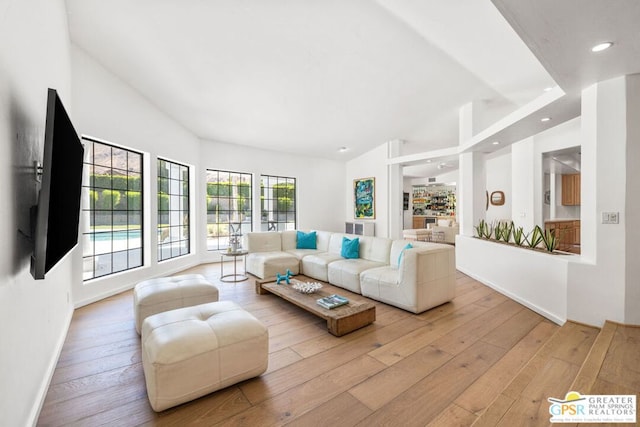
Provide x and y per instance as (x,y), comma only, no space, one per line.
(340,320)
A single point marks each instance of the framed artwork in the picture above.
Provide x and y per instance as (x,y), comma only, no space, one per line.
(364,198)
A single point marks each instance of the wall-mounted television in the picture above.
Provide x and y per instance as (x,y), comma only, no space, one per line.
(57,213)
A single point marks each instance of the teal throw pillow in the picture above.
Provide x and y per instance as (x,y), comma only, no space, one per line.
(408,246)
(350,248)
(306,240)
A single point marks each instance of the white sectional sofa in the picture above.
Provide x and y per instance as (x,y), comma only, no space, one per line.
(422,278)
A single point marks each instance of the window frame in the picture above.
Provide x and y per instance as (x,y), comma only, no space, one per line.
(183,199)
(269,223)
(220,231)
(94,187)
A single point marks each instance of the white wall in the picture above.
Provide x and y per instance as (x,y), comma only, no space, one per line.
(143,126)
(34,315)
(450,177)
(109,109)
(596,290)
(499,179)
(371,164)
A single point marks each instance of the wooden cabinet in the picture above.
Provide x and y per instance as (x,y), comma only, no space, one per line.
(571,190)
(418,222)
(568,234)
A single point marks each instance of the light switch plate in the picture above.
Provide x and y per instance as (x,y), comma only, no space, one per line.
(610,217)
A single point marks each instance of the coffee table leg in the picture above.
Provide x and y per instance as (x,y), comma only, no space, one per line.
(344,325)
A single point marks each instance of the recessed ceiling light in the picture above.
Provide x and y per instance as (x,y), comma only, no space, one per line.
(428,160)
(545,119)
(602,46)
(548,89)
(495,142)
(342,149)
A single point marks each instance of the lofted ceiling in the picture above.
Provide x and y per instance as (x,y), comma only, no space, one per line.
(309,77)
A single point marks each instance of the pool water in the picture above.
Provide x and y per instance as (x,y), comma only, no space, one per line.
(115,235)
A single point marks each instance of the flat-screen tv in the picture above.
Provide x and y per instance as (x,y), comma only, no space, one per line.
(57,213)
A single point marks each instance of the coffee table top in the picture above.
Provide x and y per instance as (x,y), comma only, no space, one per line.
(357,304)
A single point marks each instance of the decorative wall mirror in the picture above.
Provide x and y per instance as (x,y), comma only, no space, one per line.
(497,198)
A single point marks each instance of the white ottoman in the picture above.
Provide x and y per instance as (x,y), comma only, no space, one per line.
(167,293)
(193,351)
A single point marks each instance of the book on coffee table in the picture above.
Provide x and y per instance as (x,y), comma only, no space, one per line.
(332,301)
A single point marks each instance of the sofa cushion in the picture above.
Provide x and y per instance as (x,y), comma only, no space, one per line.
(263,242)
(306,240)
(315,265)
(350,248)
(375,249)
(346,272)
(267,264)
(289,239)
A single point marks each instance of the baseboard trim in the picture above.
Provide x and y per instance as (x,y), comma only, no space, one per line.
(44,386)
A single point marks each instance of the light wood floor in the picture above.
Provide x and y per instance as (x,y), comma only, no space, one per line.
(482,358)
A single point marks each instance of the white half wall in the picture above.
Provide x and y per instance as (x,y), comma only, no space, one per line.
(34,315)
(535,279)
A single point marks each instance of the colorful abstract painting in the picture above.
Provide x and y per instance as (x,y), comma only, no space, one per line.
(364,198)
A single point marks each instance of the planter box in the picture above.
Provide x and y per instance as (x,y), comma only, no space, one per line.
(536,279)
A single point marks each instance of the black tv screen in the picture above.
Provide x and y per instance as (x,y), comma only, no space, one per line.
(58,209)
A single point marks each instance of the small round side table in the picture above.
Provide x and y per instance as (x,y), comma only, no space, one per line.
(235,276)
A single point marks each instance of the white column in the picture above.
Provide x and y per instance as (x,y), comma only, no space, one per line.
(631,214)
(394,173)
(472,185)
(604,286)
(525,192)
(472,192)
(552,190)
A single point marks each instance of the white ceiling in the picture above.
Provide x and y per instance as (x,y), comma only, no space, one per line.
(309,77)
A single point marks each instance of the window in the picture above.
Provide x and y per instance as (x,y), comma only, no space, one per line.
(228,206)
(278,200)
(112,209)
(173,210)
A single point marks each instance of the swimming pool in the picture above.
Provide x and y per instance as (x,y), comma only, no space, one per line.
(102,236)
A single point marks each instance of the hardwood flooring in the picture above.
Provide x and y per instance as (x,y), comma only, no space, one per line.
(481,358)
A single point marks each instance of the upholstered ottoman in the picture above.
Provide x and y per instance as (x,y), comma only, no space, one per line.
(190,352)
(167,293)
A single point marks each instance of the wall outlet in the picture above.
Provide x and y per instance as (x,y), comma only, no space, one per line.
(610,217)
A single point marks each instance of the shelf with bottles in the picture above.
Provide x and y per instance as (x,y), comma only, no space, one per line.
(433,200)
